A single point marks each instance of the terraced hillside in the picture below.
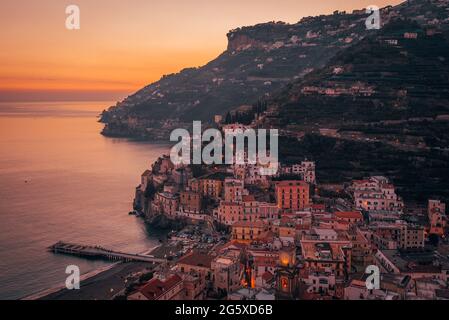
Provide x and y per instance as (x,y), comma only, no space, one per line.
(379,107)
(259,61)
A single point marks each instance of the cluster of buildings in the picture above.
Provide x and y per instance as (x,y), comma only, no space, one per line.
(283,236)
(285,241)
(376,195)
(357,89)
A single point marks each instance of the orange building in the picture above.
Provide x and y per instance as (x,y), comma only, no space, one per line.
(229,212)
(437,217)
(327,256)
(292,195)
(157,289)
(352,217)
(195,185)
(196,263)
(212,188)
(166,203)
(246,231)
(191,202)
(233,190)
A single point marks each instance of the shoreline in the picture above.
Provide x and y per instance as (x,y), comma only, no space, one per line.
(86,276)
(90,277)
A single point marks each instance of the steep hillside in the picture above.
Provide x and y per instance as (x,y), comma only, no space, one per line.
(357,101)
(259,60)
(378,107)
(399,74)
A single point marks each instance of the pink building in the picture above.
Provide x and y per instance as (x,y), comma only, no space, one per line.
(233,190)
(436,211)
(376,194)
(229,212)
(166,203)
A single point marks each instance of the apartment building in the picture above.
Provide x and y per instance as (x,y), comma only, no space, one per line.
(292,195)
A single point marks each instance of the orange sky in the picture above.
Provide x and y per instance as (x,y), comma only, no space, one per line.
(124,45)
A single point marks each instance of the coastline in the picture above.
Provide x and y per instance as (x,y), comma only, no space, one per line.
(89,275)
(113,277)
(104,274)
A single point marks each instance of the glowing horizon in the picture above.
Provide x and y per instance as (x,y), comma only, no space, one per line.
(122,47)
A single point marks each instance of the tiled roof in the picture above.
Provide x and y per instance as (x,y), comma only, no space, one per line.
(249,198)
(349,215)
(197,259)
(155,287)
(249,224)
(292,183)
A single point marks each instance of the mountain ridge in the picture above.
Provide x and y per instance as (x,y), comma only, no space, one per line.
(357,101)
(258,61)
(380,107)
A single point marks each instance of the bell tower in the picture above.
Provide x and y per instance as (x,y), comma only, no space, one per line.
(287,274)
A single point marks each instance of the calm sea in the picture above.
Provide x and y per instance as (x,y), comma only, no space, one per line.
(61,180)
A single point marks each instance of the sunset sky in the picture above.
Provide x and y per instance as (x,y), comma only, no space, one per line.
(124,45)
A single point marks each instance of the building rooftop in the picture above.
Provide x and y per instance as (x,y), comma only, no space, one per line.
(349,215)
(416,261)
(248,198)
(221,176)
(325,232)
(399,280)
(169,195)
(291,183)
(156,287)
(224,260)
(324,250)
(197,259)
(249,224)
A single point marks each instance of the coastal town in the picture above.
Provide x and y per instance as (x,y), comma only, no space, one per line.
(239,235)
(356,206)
(218,159)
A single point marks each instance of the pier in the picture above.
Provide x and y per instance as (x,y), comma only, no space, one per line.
(97,252)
